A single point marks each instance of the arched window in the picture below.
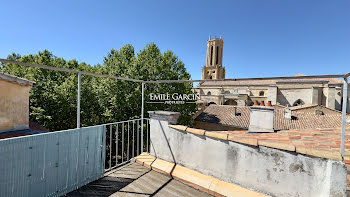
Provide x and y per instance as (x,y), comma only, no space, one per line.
(211,55)
(217,55)
(261,93)
(298,102)
(211,103)
(221,56)
(209,93)
(230,102)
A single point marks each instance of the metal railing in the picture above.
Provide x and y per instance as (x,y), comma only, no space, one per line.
(125,140)
(79,72)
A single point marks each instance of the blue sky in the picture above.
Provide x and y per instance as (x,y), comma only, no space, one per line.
(261,37)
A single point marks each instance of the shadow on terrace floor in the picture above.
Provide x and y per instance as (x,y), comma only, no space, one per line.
(135,180)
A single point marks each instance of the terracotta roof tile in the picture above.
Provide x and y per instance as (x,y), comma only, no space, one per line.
(270,81)
(224,115)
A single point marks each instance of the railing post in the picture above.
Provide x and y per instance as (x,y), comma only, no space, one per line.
(142,108)
(103,149)
(78,101)
(343,126)
(116,144)
(110,146)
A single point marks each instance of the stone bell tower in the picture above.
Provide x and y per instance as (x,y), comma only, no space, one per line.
(213,68)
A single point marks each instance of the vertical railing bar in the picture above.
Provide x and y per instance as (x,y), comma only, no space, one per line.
(122,142)
(78,99)
(110,146)
(116,145)
(128,143)
(133,139)
(142,108)
(147,125)
(103,149)
(138,138)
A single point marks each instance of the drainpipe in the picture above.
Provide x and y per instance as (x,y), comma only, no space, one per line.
(343,126)
(78,100)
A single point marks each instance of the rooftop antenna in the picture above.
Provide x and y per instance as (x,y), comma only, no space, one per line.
(209,37)
(215,36)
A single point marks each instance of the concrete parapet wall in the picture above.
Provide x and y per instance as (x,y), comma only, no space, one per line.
(261,168)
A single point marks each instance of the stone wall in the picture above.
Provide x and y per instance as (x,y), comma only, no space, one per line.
(348,104)
(268,170)
(289,96)
(14,102)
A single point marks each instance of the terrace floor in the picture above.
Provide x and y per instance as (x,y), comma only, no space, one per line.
(136,180)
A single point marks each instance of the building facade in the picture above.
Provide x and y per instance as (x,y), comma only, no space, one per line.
(14,102)
(292,92)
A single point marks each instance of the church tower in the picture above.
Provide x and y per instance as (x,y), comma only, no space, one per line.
(213,68)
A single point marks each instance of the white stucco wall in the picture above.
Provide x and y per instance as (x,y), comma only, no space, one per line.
(271,171)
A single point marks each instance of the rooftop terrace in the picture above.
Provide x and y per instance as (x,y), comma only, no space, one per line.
(99,160)
(136,180)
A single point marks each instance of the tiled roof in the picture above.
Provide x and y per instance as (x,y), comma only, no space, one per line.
(224,115)
(37,127)
(302,106)
(15,79)
(270,81)
(18,133)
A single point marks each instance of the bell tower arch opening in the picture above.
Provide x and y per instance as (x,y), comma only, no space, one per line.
(217,55)
(211,55)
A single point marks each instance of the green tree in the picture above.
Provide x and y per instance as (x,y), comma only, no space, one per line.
(53,99)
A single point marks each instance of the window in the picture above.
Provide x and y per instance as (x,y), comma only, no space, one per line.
(298,102)
(211,55)
(214,72)
(217,55)
(261,93)
(209,93)
(211,77)
(221,55)
(230,102)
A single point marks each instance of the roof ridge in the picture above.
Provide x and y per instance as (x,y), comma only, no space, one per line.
(15,79)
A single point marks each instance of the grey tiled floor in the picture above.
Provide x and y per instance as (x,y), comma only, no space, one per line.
(138,181)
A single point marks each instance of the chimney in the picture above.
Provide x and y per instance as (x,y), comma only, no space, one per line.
(261,118)
(269,104)
(287,113)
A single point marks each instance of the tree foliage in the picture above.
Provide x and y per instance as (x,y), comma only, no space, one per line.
(53,98)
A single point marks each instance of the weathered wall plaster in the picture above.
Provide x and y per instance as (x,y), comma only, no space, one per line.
(14,102)
(271,171)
